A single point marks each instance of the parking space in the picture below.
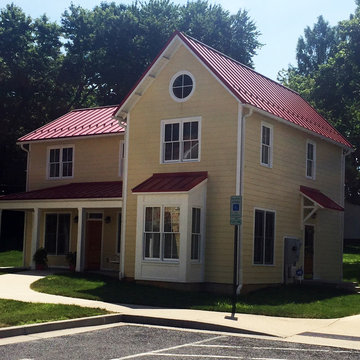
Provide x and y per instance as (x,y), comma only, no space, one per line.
(151,342)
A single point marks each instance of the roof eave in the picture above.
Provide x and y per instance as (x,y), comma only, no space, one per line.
(148,77)
(308,131)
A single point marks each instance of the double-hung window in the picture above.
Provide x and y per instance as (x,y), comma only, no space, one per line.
(195,234)
(162,233)
(180,140)
(57,233)
(310,159)
(264,235)
(266,145)
(60,162)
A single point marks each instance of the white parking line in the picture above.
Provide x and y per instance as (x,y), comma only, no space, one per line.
(157,352)
(270,348)
(211,356)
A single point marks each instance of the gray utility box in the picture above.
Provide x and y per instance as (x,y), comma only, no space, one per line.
(291,257)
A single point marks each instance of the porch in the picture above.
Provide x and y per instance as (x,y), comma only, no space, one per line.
(81,217)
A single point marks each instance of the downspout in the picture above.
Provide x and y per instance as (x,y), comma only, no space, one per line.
(27,150)
(240,183)
(124,194)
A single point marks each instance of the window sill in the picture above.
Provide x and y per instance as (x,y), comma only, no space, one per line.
(160,262)
(264,265)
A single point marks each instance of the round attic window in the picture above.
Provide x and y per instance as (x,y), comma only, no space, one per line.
(182,86)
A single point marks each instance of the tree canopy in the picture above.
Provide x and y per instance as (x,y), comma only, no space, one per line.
(92,58)
(328,76)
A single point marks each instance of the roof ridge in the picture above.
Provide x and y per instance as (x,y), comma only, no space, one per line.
(94,108)
(238,62)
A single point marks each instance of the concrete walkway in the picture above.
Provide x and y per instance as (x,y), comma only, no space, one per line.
(343,332)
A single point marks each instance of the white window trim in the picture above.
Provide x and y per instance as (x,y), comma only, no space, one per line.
(161,259)
(180,121)
(271,146)
(313,177)
(253,236)
(199,260)
(121,158)
(60,147)
(118,233)
(70,229)
(183,72)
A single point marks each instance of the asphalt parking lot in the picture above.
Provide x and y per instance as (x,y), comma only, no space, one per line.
(151,342)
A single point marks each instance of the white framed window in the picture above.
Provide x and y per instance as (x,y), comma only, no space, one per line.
(121,158)
(119,227)
(161,233)
(60,162)
(266,145)
(310,159)
(195,234)
(180,140)
(57,233)
(182,86)
(264,237)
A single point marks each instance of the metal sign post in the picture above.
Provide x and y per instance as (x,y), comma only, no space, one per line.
(235,219)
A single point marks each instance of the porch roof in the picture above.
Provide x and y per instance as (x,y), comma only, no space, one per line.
(85,190)
(171,182)
(320,199)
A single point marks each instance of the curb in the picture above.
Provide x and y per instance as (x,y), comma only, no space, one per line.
(59,325)
(119,318)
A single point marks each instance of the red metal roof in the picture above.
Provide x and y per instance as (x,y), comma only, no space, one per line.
(89,190)
(82,122)
(171,182)
(254,89)
(318,197)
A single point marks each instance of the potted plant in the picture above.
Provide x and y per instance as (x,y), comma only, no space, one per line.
(71,259)
(40,258)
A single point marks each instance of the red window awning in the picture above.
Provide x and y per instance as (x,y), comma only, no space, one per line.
(320,198)
(171,182)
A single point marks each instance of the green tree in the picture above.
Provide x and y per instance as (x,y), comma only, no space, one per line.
(331,82)
(316,47)
(29,56)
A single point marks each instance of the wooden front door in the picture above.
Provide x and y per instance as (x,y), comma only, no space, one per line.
(93,244)
(309,252)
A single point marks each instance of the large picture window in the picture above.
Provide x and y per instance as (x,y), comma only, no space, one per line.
(162,233)
(180,140)
(57,233)
(264,234)
(60,162)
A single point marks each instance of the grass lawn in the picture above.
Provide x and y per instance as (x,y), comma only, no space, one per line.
(11,258)
(351,261)
(291,301)
(14,313)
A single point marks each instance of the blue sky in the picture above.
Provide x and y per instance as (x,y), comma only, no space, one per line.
(281,22)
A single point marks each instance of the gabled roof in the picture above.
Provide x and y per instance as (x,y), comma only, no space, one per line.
(76,123)
(171,182)
(88,190)
(320,199)
(248,86)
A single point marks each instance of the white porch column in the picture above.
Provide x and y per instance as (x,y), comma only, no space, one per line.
(80,241)
(35,235)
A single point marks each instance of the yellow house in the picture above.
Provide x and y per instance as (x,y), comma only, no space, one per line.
(200,128)
(73,201)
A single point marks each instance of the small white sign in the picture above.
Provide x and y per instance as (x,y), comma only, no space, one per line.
(235,210)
